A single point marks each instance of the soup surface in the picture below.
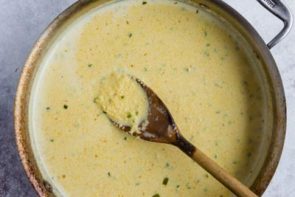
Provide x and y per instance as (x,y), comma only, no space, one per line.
(198,65)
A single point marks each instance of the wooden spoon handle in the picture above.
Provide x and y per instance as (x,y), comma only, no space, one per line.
(221,175)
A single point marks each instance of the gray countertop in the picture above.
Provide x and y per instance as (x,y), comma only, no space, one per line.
(21,23)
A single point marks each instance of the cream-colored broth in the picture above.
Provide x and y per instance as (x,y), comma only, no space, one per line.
(198,66)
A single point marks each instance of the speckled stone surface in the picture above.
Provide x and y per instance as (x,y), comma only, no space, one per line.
(21,23)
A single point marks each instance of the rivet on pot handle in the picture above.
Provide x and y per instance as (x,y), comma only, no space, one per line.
(277,8)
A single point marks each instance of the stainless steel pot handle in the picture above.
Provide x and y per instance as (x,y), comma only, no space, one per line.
(277,8)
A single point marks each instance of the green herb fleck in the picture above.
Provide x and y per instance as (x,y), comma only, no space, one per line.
(129,115)
(90,65)
(144,2)
(122,97)
(165,181)
(66,106)
(188,186)
(207,175)
(51,140)
(109,174)
(125,138)
(95,99)
(208,45)
(130,35)
(177,186)
(205,33)
(47,108)
(167,165)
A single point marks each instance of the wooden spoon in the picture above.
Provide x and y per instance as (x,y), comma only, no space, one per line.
(161,128)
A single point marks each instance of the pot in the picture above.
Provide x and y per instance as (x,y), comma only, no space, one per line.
(261,50)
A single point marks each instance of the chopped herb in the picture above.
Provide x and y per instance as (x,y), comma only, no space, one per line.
(156,195)
(208,45)
(207,175)
(129,115)
(136,113)
(122,97)
(95,99)
(177,186)
(205,33)
(144,2)
(104,112)
(215,156)
(109,174)
(66,106)
(47,108)
(167,165)
(63,176)
(89,65)
(51,140)
(165,181)
(130,35)
(137,184)
(197,11)
(125,138)
(188,186)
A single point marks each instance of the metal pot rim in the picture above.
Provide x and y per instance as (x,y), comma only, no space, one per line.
(24,87)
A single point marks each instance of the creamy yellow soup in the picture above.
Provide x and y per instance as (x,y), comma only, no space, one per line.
(200,67)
